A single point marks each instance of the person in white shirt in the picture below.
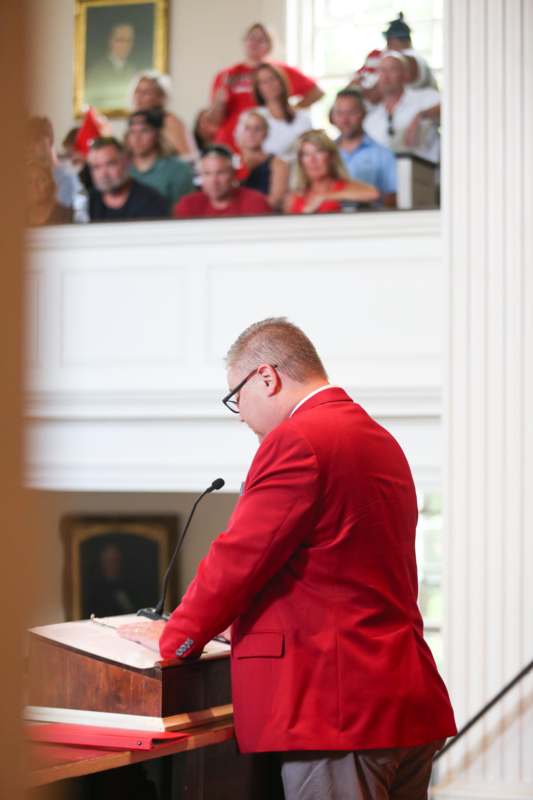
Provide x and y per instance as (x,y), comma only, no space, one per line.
(398,36)
(285,123)
(407,119)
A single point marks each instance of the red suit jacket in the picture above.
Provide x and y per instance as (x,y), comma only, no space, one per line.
(316,571)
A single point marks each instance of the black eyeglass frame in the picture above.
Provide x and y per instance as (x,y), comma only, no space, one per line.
(227,399)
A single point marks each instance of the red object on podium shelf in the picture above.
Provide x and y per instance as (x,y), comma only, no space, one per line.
(106,738)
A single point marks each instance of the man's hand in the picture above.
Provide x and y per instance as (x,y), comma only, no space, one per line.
(146,632)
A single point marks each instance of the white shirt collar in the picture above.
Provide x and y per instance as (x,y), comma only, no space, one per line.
(311,394)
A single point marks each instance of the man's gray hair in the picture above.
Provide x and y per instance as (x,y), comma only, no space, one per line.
(278,342)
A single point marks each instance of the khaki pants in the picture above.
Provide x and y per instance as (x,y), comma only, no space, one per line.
(399,773)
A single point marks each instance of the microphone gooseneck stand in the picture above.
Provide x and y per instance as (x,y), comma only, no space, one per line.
(157,611)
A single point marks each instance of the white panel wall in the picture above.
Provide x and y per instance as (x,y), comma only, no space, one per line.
(488,234)
(130,325)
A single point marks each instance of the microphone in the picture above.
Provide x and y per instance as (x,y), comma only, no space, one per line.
(157,611)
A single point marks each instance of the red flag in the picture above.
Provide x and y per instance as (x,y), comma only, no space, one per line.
(90,130)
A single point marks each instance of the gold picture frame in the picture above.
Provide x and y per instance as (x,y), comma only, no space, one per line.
(114,564)
(115,40)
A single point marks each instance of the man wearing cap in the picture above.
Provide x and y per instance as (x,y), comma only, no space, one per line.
(407,119)
(169,175)
(364,159)
(398,36)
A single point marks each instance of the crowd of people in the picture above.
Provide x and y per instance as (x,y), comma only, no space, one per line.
(253,149)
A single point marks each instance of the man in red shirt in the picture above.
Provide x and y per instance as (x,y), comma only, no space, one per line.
(232,91)
(220,195)
(317,572)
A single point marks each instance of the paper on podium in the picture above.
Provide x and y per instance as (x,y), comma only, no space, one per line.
(99,638)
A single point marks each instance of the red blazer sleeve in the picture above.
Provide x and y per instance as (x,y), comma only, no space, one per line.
(271,519)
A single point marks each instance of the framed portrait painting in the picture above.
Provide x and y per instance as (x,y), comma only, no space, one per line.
(114,42)
(115,564)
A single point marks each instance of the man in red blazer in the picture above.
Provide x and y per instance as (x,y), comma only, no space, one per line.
(316,572)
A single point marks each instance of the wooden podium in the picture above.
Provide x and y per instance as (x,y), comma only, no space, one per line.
(83,672)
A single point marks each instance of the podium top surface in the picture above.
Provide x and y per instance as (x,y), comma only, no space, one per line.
(99,638)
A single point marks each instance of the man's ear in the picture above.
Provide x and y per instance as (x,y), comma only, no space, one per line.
(270,379)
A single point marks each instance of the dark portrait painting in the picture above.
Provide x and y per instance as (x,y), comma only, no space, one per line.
(115,41)
(115,565)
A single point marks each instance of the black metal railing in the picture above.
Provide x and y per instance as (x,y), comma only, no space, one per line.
(481,713)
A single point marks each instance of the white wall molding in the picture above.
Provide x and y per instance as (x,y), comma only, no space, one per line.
(179,455)
(387,402)
(384,225)
(127,477)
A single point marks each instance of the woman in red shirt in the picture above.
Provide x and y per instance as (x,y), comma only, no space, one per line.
(232,92)
(322,182)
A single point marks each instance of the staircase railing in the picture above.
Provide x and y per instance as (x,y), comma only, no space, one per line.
(481,713)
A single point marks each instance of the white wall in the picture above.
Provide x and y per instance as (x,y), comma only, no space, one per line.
(209,520)
(204,36)
(130,325)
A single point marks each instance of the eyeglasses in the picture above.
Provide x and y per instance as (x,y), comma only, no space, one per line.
(233,403)
(390,129)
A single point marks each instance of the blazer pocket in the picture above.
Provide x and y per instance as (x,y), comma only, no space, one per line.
(260,645)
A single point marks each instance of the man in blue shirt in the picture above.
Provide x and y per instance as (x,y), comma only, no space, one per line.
(364,158)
